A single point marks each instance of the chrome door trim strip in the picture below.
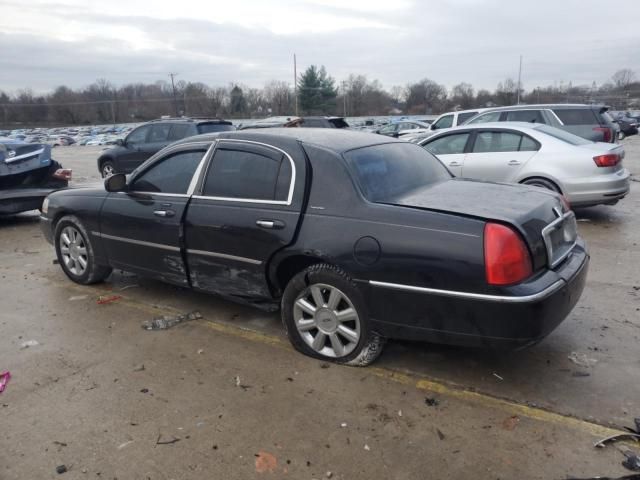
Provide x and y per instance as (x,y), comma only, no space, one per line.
(546,236)
(243,200)
(207,253)
(136,242)
(473,296)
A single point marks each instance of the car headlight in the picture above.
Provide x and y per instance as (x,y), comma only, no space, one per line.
(45,205)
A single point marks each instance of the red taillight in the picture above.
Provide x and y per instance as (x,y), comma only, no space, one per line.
(506,257)
(606,132)
(62,174)
(608,160)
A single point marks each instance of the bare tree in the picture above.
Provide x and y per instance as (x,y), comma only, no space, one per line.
(623,78)
(278,97)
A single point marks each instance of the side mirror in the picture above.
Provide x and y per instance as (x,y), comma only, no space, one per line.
(434,126)
(120,142)
(116,183)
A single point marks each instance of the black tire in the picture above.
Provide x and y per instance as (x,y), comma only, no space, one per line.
(92,272)
(107,168)
(542,182)
(362,348)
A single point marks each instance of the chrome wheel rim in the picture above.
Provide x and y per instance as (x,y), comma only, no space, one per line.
(107,170)
(327,320)
(74,251)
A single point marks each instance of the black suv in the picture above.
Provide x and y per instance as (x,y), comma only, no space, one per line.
(148,139)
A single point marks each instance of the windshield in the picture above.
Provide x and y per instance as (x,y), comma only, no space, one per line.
(563,135)
(388,171)
(215,127)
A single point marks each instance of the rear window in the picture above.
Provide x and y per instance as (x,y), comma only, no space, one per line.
(385,172)
(577,116)
(214,127)
(339,123)
(562,135)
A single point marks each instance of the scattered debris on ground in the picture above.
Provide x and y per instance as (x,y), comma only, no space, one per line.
(266,462)
(60,469)
(240,384)
(511,423)
(29,343)
(78,297)
(616,438)
(139,368)
(173,440)
(432,402)
(104,299)
(167,321)
(441,435)
(631,461)
(4,380)
(497,376)
(582,359)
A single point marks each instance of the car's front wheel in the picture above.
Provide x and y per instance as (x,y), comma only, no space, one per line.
(75,252)
(325,317)
(542,182)
(107,169)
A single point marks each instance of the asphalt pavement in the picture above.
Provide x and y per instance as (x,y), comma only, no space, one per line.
(226,397)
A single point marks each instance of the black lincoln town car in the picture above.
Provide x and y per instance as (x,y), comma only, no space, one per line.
(356,237)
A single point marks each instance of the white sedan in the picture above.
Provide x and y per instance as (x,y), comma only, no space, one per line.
(586,173)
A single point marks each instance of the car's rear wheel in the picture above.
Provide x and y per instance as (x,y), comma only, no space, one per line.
(107,169)
(325,317)
(542,182)
(75,252)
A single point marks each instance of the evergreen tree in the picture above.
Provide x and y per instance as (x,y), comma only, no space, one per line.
(238,103)
(317,91)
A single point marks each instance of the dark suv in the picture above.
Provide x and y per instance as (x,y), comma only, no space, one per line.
(324,122)
(148,139)
(586,121)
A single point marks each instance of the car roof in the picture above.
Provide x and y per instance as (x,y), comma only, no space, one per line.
(337,140)
(557,106)
(323,118)
(190,120)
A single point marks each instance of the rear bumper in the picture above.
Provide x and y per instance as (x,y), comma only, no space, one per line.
(598,189)
(22,200)
(458,318)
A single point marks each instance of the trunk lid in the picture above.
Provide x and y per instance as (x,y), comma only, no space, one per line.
(529,209)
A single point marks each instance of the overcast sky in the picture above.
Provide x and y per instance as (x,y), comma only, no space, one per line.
(73,42)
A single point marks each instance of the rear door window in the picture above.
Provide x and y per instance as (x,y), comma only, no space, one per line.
(529,116)
(179,131)
(248,173)
(496,142)
(172,174)
(339,123)
(159,132)
(577,116)
(463,117)
(448,145)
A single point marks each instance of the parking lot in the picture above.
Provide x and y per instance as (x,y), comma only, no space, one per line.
(227,397)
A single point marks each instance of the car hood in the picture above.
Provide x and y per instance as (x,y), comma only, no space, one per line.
(528,209)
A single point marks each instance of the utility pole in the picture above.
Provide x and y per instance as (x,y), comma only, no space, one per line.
(344,98)
(173,88)
(295,82)
(519,82)
(113,112)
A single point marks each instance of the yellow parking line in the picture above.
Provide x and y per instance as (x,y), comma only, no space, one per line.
(405,378)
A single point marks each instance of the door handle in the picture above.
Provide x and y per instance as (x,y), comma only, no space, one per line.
(513,162)
(164,213)
(270,224)
(455,164)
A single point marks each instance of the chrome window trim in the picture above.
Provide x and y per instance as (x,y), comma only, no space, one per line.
(207,253)
(546,235)
(473,296)
(136,242)
(196,175)
(555,115)
(289,199)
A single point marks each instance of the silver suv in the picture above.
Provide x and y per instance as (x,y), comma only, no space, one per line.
(586,121)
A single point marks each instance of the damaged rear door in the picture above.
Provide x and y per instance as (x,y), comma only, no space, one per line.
(244,213)
(142,227)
